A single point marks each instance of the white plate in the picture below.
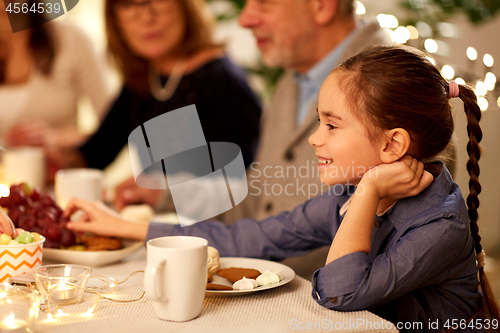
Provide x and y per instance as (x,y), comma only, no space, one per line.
(259,264)
(92,258)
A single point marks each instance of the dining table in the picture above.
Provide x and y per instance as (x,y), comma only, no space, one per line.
(287,308)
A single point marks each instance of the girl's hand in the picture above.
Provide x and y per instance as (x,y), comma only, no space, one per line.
(403,178)
(6,225)
(100,220)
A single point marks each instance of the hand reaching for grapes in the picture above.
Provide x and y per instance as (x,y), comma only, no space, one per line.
(100,220)
(6,225)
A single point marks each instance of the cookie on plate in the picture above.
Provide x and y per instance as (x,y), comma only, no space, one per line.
(234,274)
(215,286)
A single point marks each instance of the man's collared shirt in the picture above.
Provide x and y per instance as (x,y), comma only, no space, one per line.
(309,83)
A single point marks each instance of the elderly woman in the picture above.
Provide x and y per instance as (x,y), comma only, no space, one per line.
(168,60)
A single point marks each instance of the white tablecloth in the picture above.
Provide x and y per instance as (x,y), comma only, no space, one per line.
(289,308)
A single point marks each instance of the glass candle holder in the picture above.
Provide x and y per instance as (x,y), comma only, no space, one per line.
(19,307)
(62,284)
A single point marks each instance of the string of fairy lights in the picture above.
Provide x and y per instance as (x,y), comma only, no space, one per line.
(422,36)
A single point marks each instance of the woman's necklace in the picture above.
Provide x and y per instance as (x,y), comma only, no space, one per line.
(164,93)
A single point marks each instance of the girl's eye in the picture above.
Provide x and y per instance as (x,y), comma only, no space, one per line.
(330,126)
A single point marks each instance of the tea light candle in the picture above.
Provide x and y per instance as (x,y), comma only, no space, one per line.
(13,325)
(63,292)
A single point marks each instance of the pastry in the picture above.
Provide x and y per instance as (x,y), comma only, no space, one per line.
(245,284)
(97,243)
(215,286)
(213,263)
(269,277)
(234,274)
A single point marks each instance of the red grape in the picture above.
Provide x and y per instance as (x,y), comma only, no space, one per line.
(16,187)
(47,199)
(51,244)
(52,232)
(63,220)
(15,213)
(68,238)
(33,209)
(5,202)
(17,197)
(35,196)
(27,222)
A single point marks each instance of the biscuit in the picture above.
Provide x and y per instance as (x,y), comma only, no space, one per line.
(234,274)
(209,277)
(215,286)
(96,243)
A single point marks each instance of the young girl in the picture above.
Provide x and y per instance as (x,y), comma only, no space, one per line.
(402,245)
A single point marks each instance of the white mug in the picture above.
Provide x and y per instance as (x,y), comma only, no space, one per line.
(81,183)
(24,164)
(176,276)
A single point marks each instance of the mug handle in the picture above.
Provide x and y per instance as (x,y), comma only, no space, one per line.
(151,279)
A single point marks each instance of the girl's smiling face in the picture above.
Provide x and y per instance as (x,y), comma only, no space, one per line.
(343,146)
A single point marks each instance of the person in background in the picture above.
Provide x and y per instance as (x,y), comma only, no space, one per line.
(44,72)
(168,59)
(403,244)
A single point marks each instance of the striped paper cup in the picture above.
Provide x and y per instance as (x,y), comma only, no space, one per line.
(19,259)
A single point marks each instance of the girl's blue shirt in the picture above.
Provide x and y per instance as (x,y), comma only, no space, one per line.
(421,267)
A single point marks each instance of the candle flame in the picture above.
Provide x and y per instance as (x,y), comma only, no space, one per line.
(9,321)
(89,313)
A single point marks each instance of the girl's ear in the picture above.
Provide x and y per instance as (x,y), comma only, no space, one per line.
(395,145)
(324,10)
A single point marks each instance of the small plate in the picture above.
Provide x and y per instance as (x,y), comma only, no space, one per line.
(259,264)
(92,258)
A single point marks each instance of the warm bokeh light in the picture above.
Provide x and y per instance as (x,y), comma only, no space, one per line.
(424,29)
(483,103)
(461,81)
(490,80)
(360,8)
(498,101)
(413,31)
(432,61)
(430,45)
(387,21)
(488,60)
(401,35)
(391,34)
(4,190)
(448,72)
(481,89)
(471,53)
(446,29)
